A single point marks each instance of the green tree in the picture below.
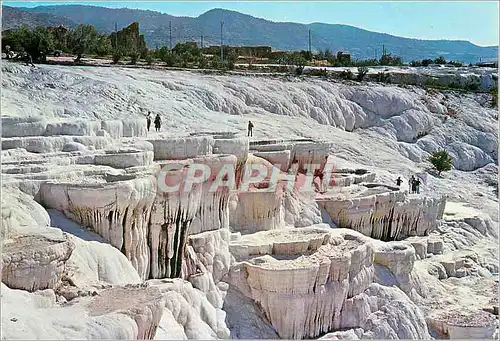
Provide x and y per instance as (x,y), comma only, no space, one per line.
(426,62)
(60,36)
(494,97)
(441,160)
(83,39)
(215,63)
(188,47)
(390,60)
(17,39)
(38,43)
(202,62)
(343,59)
(168,57)
(440,60)
(306,55)
(117,55)
(362,72)
(149,58)
(231,59)
(103,46)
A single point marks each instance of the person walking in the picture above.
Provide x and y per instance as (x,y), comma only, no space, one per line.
(410,184)
(399,181)
(157,122)
(417,185)
(250,129)
(148,120)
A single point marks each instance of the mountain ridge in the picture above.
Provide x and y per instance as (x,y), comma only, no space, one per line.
(244,29)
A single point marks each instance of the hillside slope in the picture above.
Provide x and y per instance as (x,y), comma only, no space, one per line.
(242,29)
(13,18)
(402,125)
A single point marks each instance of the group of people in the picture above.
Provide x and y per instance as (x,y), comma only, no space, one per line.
(413,184)
(157,121)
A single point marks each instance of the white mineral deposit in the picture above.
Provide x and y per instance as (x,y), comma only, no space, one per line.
(98,242)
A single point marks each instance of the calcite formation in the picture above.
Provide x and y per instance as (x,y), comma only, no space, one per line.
(464,324)
(259,210)
(129,312)
(35,262)
(39,126)
(135,196)
(149,225)
(386,216)
(49,144)
(191,310)
(252,257)
(304,269)
(121,216)
(182,148)
(211,250)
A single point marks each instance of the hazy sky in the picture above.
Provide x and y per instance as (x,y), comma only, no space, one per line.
(475,21)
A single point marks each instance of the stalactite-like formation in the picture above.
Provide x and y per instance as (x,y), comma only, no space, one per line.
(386,216)
(213,213)
(149,225)
(234,146)
(259,210)
(310,153)
(171,216)
(303,292)
(119,212)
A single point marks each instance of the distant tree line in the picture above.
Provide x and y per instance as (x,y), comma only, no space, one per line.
(440,61)
(128,43)
(41,42)
(344,60)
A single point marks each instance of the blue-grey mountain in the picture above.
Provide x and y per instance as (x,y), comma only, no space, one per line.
(241,29)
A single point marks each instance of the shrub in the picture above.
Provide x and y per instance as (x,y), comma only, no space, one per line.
(149,58)
(299,70)
(319,72)
(494,97)
(117,55)
(168,57)
(362,72)
(441,160)
(383,77)
(202,62)
(346,74)
(134,56)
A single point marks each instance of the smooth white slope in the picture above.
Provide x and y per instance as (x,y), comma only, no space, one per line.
(385,120)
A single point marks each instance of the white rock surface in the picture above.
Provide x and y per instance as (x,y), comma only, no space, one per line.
(35,262)
(106,315)
(282,280)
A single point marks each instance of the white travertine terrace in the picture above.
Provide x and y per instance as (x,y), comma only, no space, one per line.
(464,324)
(263,264)
(104,316)
(387,215)
(35,262)
(321,273)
